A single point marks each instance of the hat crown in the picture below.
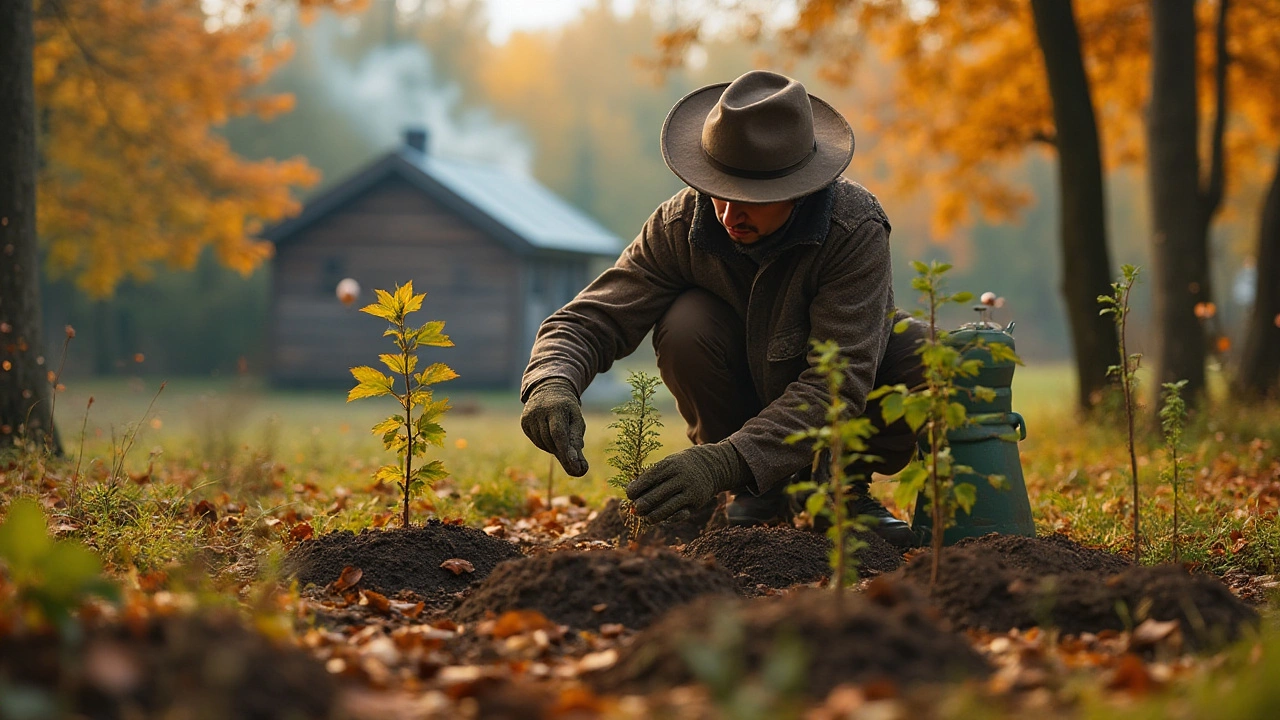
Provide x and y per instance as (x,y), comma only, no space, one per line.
(763,122)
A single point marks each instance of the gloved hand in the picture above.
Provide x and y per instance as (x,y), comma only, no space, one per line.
(681,483)
(552,419)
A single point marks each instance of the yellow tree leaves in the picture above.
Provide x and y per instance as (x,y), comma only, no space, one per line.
(133,172)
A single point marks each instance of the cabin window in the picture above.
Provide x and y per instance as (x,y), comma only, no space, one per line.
(332,271)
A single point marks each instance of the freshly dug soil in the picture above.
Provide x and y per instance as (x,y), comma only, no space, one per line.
(587,589)
(191,667)
(782,556)
(608,525)
(999,583)
(399,559)
(888,633)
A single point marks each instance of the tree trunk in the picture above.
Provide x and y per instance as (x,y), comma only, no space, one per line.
(24,389)
(1180,252)
(1259,373)
(1086,262)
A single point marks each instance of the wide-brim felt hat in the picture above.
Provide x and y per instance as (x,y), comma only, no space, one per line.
(759,139)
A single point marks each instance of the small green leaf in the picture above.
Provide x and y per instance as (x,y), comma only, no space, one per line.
(892,408)
(966,495)
(919,267)
(962,297)
(372,383)
(901,326)
(389,473)
(910,482)
(382,311)
(916,411)
(430,335)
(24,536)
(436,373)
(956,415)
(815,504)
(396,363)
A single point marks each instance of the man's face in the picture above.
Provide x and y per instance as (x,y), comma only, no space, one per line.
(748,222)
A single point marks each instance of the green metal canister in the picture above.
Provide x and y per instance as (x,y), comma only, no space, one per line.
(989,445)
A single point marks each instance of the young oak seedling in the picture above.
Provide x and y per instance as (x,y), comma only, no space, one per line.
(1173,419)
(842,441)
(407,434)
(932,406)
(637,426)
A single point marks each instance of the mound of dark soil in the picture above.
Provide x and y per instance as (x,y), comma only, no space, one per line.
(193,667)
(608,525)
(587,589)
(400,559)
(999,583)
(889,633)
(782,556)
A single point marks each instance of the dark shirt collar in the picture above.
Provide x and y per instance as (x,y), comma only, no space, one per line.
(808,225)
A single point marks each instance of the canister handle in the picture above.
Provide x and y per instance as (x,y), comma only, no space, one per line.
(1020,424)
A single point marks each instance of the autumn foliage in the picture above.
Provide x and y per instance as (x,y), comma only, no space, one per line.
(133,170)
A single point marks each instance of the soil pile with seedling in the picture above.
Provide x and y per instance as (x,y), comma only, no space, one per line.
(416,559)
(1004,582)
(609,525)
(889,632)
(585,590)
(782,556)
(181,666)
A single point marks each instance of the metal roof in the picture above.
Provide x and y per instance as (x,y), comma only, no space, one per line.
(520,203)
(515,208)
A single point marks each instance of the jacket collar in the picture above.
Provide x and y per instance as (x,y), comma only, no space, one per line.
(810,221)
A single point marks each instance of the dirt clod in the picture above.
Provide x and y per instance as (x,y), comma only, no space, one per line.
(782,556)
(399,559)
(894,636)
(570,587)
(1002,582)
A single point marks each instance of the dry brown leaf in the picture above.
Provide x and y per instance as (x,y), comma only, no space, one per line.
(457,566)
(205,511)
(518,622)
(1131,676)
(302,531)
(377,601)
(1152,632)
(349,577)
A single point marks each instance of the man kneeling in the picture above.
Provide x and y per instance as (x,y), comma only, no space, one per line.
(767,248)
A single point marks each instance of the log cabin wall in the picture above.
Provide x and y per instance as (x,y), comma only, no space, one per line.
(390,234)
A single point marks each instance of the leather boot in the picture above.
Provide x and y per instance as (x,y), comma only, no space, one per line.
(894,531)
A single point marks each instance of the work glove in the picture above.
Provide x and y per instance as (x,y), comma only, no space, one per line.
(681,483)
(552,419)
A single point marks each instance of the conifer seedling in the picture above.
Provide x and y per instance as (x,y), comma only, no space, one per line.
(407,434)
(636,423)
(1173,419)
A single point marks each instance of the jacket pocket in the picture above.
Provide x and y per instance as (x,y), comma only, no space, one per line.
(787,344)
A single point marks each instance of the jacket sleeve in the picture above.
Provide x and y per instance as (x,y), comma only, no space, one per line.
(611,316)
(853,305)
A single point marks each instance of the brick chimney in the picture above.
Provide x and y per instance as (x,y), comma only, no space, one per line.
(416,138)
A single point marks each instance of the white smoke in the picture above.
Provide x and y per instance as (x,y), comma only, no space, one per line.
(395,87)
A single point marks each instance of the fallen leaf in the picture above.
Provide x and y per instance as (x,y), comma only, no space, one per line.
(598,660)
(518,622)
(599,607)
(1152,632)
(1131,676)
(457,566)
(611,630)
(577,699)
(302,531)
(349,577)
(377,601)
(205,511)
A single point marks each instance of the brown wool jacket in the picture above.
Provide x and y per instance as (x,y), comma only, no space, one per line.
(827,278)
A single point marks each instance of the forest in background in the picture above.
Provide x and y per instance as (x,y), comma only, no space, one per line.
(588,129)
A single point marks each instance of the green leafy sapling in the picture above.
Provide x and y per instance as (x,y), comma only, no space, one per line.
(1173,419)
(636,422)
(407,434)
(52,578)
(841,441)
(932,407)
(1117,305)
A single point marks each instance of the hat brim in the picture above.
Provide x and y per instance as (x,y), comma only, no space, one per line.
(683,153)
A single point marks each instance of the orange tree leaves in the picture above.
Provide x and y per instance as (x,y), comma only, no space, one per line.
(133,172)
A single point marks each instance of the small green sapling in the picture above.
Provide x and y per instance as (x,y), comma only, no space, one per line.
(407,434)
(1173,418)
(932,406)
(636,423)
(842,440)
(1117,305)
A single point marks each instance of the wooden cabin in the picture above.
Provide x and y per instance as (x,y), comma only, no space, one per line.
(495,252)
